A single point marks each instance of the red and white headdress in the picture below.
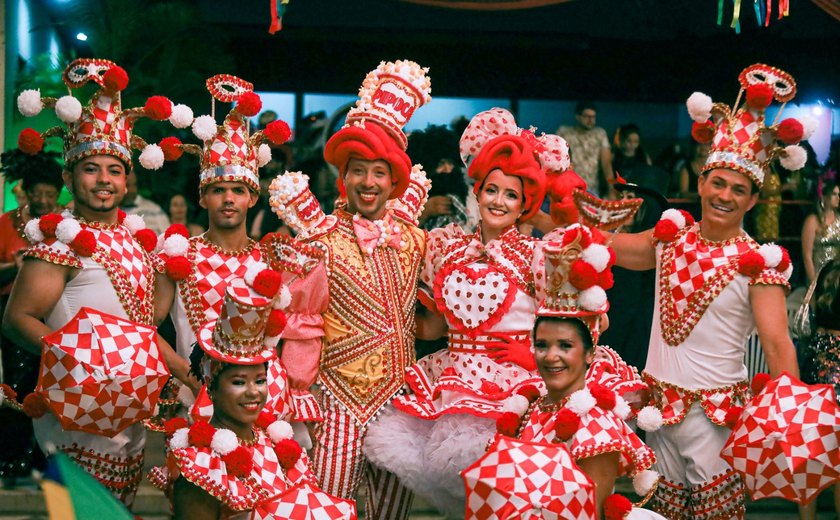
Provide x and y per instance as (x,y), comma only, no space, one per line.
(230,152)
(740,138)
(578,273)
(493,140)
(387,99)
(101,127)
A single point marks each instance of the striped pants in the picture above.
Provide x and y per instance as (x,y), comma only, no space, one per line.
(338,464)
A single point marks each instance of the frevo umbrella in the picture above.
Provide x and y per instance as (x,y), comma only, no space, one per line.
(520,479)
(100,373)
(305,502)
(786,443)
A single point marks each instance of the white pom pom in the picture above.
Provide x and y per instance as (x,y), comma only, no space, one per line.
(134,223)
(284,298)
(649,419)
(29,103)
(794,158)
(32,230)
(581,402)
(224,441)
(809,126)
(674,216)
(152,157)
(699,107)
(204,127)
(68,109)
(253,270)
(517,404)
(772,254)
(644,481)
(263,155)
(176,245)
(181,117)
(180,439)
(621,409)
(280,430)
(597,256)
(593,299)
(67,229)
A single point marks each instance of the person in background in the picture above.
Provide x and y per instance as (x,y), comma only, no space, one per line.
(39,178)
(135,204)
(821,230)
(590,149)
(629,152)
(180,212)
(690,171)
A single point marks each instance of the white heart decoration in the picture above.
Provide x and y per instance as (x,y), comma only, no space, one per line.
(473,300)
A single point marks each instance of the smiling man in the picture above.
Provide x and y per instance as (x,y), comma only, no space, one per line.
(715,285)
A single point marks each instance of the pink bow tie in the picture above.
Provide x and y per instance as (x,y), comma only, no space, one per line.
(373,234)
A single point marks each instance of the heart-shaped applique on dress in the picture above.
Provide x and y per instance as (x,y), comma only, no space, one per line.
(473,299)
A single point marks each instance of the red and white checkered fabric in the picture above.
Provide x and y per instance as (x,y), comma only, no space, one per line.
(100,373)
(239,152)
(202,408)
(306,502)
(279,399)
(119,245)
(519,479)
(101,123)
(213,273)
(787,442)
(742,131)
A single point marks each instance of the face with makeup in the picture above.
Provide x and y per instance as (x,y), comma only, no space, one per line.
(563,350)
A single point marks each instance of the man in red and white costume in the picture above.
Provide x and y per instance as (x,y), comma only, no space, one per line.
(716,285)
(195,272)
(94,257)
(372,259)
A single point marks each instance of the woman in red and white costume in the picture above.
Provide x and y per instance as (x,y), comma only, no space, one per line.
(483,288)
(242,458)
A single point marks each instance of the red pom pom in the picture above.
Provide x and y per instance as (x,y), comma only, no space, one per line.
(751,264)
(508,423)
(30,141)
(573,234)
(8,392)
(171,148)
(267,283)
(529,392)
(665,231)
(790,131)
(598,237)
(566,423)
(689,219)
(177,268)
(84,244)
(249,104)
(276,323)
(604,397)
(703,132)
(605,279)
(147,238)
(158,108)
(34,405)
(758,383)
(175,424)
(288,452)
(611,261)
(732,416)
(784,264)
(616,507)
(278,132)
(48,223)
(582,275)
(201,434)
(490,388)
(239,462)
(264,420)
(176,229)
(759,96)
(115,78)
(121,216)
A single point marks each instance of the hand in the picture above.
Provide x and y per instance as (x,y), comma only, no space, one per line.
(19,258)
(518,353)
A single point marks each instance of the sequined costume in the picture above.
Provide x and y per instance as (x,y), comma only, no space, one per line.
(827,245)
(821,361)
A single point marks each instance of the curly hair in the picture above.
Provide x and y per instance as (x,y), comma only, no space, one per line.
(41,168)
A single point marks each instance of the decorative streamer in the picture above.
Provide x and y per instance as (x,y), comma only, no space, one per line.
(757,8)
(736,17)
(278,8)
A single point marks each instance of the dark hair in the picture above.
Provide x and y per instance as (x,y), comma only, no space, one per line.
(826,301)
(580,326)
(584,105)
(197,357)
(41,168)
(429,147)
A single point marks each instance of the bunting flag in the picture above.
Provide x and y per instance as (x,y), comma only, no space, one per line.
(278,8)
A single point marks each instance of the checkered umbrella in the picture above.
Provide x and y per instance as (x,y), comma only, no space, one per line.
(519,479)
(305,502)
(787,441)
(100,373)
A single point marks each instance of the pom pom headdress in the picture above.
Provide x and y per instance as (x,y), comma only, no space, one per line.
(230,153)
(102,126)
(740,138)
(387,99)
